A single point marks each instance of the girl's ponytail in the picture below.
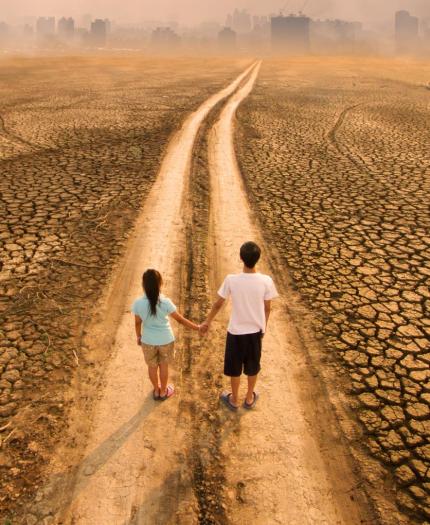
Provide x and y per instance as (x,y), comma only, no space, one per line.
(151,282)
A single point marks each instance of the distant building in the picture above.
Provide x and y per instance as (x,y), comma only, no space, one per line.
(45,26)
(98,33)
(108,24)
(82,36)
(207,30)
(4,29)
(227,39)
(66,28)
(86,21)
(28,30)
(335,35)
(406,32)
(425,31)
(259,21)
(290,34)
(130,37)
(239,21)
(164,38)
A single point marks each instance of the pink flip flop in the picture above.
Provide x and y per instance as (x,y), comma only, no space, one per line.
(169,393)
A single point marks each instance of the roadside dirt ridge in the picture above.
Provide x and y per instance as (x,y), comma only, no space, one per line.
(132,459)
(278,468)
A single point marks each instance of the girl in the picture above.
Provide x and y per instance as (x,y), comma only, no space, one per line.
(157,340)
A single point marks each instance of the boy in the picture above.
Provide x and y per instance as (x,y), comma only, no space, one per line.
(251,294)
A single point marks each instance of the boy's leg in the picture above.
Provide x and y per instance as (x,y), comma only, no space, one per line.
(252,363)
(252,380)
(233,363)
(164,377)
(235,383)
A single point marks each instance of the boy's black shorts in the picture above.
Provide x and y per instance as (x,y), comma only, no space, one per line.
(242,354)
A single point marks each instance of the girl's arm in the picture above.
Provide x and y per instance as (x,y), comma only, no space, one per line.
(138,327)
(185,322)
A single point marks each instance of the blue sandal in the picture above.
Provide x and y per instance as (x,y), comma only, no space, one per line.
(225,398)
(252,405)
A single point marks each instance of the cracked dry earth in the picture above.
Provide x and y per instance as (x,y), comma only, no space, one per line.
(333,163)
(81,141)
(190,461)
(335,156)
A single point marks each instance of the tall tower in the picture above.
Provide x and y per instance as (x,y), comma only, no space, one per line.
(98,32)
(227,39)
(290,34)
(45,25)
(406,30)
(66,28)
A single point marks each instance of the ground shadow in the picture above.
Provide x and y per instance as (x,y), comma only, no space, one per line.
(62,489)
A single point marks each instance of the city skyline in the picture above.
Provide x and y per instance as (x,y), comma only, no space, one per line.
(241,30)
(192,12)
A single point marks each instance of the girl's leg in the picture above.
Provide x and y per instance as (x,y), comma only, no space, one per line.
(164,376)
(153,376)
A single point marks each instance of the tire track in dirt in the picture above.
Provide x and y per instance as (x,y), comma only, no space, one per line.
(134,469)
(286,461)
(201,368)
(338,124)
(15,139)
(342,149)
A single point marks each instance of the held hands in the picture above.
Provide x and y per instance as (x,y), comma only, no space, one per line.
(204,328)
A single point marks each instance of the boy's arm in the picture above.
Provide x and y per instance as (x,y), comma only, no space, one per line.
(267,307)
(182,320)
(216,307)
(138,327)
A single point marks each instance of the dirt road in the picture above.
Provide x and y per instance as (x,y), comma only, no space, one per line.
(283,463)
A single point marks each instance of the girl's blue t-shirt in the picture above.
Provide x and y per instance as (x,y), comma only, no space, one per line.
(157,330)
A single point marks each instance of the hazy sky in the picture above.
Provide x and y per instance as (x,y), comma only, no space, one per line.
(193,11)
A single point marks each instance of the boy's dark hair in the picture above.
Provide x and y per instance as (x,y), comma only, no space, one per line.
(250,254)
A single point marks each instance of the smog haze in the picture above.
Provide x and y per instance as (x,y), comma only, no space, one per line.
(193,11)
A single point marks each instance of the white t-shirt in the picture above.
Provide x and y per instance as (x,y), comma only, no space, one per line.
(248,292)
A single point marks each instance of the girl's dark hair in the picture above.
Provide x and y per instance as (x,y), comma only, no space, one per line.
(151,282)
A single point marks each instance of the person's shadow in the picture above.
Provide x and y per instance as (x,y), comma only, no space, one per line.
(61,489)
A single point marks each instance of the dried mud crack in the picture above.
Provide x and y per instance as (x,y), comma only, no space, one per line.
(351,225)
